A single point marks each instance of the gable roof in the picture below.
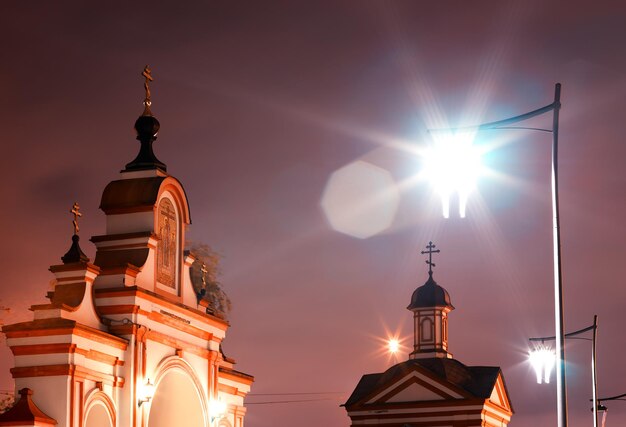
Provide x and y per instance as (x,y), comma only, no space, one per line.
(366,384)
(474,381)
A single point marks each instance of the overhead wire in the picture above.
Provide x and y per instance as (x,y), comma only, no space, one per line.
(316,399)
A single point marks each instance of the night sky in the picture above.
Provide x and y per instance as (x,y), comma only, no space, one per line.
(260,102)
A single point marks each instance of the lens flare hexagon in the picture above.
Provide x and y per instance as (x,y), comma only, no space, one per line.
(360,200)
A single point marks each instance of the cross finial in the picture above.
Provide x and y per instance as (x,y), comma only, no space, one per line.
(204,272)
(147,73)
(431,250)
(76,211)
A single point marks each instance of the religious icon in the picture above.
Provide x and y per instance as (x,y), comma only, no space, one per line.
(167,246)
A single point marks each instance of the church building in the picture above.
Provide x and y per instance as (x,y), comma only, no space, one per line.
(431,388)
(128,340)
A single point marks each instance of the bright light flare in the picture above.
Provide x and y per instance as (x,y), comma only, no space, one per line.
(543,360)
(217,408)
(390,345)
(453,164)
(394,345)
(145,392)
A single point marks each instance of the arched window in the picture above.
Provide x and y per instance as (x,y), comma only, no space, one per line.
(98,417)
(426,329)
(178,393)
(99,410)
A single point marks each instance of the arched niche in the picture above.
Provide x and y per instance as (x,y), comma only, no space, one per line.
(171,216)
(178,397)
(99,410)
(169,246)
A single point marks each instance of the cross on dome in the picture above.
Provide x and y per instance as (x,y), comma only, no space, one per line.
(76,211)
(431,250)
(204,272)
(75,254)
(147,127)
(147,74)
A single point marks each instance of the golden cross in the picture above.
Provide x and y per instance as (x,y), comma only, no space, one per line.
(76,211)
(147,74)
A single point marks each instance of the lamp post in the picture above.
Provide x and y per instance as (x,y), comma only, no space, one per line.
(543,363)
(603,408)
(554,107)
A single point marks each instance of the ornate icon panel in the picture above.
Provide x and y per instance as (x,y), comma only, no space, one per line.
(166,253)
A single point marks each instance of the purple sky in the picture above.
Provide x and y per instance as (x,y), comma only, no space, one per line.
(260,103)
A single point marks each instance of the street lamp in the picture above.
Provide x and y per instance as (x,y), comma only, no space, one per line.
(604,408)
(542,359)
(217,409)
(453,164)
(393,345)
(145,393)
(554,107)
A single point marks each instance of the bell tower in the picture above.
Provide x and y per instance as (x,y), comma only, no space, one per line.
(431,387)
(430,304)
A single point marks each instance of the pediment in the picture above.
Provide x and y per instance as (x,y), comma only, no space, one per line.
(416,386)
(414,393)
(499,395)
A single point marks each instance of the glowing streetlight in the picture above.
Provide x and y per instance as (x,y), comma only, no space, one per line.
(393,345)
(145,392)
(217,409)
(453,163)
(554,108)
(542,359)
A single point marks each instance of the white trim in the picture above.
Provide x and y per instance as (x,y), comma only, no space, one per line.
(420,376)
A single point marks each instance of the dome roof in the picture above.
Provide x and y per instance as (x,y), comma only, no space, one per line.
(430,295)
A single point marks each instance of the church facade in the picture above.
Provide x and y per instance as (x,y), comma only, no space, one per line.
(431,388)
(127,340)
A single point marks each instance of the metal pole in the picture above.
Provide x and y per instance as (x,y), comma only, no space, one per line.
(594,378)
(594,385)
(561,393)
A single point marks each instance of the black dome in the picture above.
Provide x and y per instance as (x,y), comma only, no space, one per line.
(147,127)
(430,295)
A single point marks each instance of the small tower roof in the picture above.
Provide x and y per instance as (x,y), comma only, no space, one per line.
(430,294)
(25,411)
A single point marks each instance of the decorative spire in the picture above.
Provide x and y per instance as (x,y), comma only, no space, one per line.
(431,250)
(204,272)
(147,73)
(147,127)
(75,254)
(76,211)
(430,294)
